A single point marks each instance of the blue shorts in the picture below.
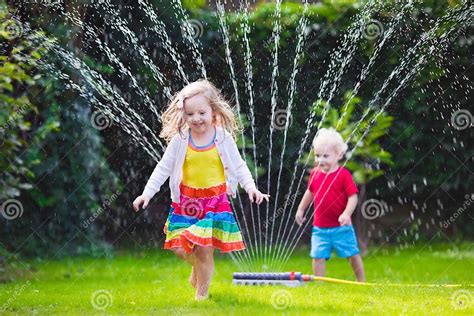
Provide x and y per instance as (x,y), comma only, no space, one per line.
(341,238)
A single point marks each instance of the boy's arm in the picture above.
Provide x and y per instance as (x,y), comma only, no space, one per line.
(351,204)
(345,218)
(305,202)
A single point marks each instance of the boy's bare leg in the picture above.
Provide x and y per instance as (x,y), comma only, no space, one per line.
(204,268)
(357,267)
(319,267)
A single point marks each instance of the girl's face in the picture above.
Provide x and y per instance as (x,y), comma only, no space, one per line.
(198,114)
(327,158)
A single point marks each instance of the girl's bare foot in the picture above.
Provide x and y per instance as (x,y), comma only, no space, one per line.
(201,297)
(192,278)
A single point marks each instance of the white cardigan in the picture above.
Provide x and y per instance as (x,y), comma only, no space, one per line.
(171,165)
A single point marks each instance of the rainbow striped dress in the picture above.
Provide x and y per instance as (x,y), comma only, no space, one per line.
(204,216)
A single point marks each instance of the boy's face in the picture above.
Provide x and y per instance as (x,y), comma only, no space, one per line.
(327,157)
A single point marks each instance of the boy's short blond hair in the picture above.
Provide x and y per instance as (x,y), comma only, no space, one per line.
(329,137)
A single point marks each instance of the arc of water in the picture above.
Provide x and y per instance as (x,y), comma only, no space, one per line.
(413,52)
(129,128)
(348,49)
(243,256)
(225,33)
(120,25)
(362,76)
(160,29)
(196,51)
(274,95)
(351,37)
(397,71)
(302,24)
(365,71)
(413,71)
(294,242)
(240,265)
(248,84)
(125,73)
(97,83)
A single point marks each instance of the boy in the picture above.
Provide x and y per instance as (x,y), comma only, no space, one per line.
(334,193)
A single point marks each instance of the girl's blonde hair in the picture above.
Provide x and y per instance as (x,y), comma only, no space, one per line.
(173,117)
(329,137)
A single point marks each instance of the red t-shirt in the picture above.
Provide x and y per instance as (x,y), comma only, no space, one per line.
(339,186)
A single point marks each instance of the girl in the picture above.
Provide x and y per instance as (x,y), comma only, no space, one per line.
(203,164)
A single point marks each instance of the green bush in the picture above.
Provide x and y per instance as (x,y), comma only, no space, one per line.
(53,162)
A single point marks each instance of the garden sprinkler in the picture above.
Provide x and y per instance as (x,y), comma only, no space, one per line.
(284,278)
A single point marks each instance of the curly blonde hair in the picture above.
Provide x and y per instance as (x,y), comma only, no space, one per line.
(173,117)
(329,137)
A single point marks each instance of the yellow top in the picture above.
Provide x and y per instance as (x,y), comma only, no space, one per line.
(202,168)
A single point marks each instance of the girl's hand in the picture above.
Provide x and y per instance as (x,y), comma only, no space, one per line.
(257,196)
(299,218)
(139,201)
(344,220)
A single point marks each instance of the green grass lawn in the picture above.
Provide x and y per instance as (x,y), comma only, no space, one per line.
(155,282)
